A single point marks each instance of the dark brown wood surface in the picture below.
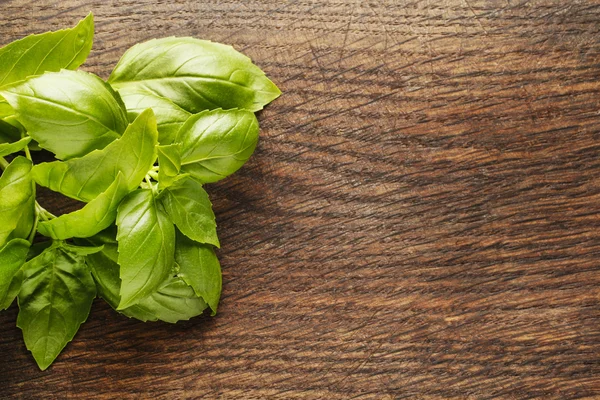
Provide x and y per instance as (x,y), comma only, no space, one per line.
(420,220)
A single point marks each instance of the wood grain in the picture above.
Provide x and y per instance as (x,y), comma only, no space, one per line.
(419,221)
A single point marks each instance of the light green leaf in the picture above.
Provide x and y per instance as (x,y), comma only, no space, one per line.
(169,116)
(199,267)
(12,257)
(9,148)
(69,113)
(50,51)
(146,239)
(195,74)
(17,199)
(8,133)
(215,144)
(92,218)
(86,177)
(189,207)
(169,161)
(5,109)
(55,299)
(103,265)
(173,301)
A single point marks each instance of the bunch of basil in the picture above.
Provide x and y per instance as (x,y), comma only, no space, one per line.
(175,113)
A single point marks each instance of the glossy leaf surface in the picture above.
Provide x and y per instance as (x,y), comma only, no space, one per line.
(169,116)
(50,51)
(92,218)
(82,107)
(17,199)
(86,177)
(215,144)
(189,207)
(146,239)
(195,74)
(199,267)
(55,299)
(12,257)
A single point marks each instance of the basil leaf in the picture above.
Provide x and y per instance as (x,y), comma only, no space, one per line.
(104,267)
(195,74)
(92,218)
(12,257)
(199,267)
(55,299)
(169,161)
(86,177)
(173,301)
(189,207)
(169,116)
(8,133)
(9,148)
(50,51)
(17,199)
(5,109)
(215,144)
(86,111)
(146,239)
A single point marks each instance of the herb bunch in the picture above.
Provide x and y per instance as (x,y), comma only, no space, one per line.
(175,113)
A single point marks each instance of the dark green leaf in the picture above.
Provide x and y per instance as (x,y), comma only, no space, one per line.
(82,107)
(169,116)
(55,299)
(12,257)
(189,207)
(199,267)
(215,144)
(8,133)
(195,74)
(92,218)
(17,199)
(50,51)
(146,239)
(87,177)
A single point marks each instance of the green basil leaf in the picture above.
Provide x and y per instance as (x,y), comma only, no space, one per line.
(95,216)
(50,51)
(215,144)
(195,74)
(5,109)
(17,199)
(146,239)
(84,109)
(169,161)
(12,257)
(55,299)
(189,207)
(173,301)
(86,177)
(169,116)
(199,267)
(9,148)
(8,133)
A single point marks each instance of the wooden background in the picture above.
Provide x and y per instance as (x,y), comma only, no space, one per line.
(420,219)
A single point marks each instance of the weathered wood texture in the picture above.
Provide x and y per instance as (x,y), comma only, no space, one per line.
(420,219)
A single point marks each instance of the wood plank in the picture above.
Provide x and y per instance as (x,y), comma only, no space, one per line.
(419,220)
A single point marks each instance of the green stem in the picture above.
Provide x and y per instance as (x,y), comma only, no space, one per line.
(3,163)
(28,154)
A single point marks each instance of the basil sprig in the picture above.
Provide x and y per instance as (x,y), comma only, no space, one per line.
(175,114)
